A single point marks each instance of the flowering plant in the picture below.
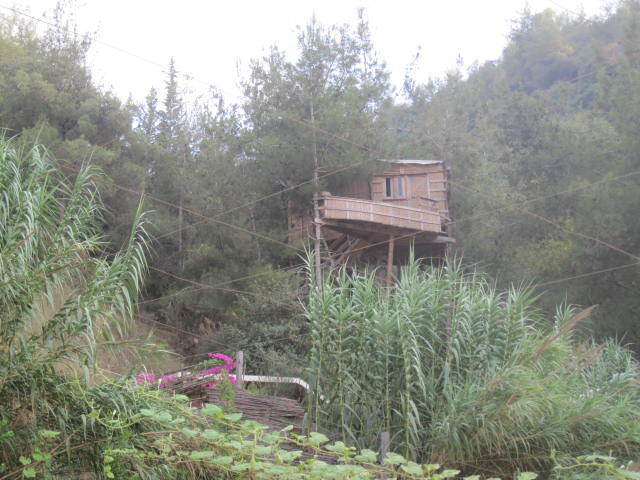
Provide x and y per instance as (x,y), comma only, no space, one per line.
(212,367)
(229,364)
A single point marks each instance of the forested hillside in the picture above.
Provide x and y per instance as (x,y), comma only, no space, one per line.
(558,112)
(552,127)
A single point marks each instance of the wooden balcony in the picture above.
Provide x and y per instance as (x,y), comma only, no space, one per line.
(367,218)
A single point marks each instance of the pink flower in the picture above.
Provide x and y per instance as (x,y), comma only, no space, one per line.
(166,378)
(232,380)
(221,356)
(145,377)
(212,370)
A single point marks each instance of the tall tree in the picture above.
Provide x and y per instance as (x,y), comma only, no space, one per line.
(336,84)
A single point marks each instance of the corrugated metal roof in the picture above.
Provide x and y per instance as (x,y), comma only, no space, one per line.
(410,161)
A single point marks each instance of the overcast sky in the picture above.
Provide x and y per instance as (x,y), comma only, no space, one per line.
(214,40)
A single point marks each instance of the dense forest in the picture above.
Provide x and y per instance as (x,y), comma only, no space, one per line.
(544,147)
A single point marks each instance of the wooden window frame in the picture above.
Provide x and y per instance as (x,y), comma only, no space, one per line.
(394,181)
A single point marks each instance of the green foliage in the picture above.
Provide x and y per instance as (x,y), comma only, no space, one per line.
(558,110)
(169,439)
(337,84)
(269,327)
(62,298)
(556,113)
(59,291)
(588,467)
(56,425)
(461,374)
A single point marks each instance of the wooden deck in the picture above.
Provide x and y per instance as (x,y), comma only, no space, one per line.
(367,215)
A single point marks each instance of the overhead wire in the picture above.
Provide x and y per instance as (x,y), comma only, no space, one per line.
(491,197)
(364,147)
(551,222)
(564,192)
(220,284)
(589,274)
(217,342)
(307,124)
(100,42)
(222,289)
(190,211)
(265,197)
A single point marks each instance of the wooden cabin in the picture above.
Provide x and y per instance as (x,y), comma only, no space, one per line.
(378,218)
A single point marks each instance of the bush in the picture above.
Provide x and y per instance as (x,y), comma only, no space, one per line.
(269,327)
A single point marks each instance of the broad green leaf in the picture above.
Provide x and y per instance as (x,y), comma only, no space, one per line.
(413,468)
(527,476)
(29,472)
(210,434)
(190,432)
(316,438)
(224,460)
(211,409)
(367,456)
(233,417)
(200,455)
(394,459)
(449,473)
(240,467)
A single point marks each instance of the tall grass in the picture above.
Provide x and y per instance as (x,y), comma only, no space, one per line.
(462,374)
(61,295)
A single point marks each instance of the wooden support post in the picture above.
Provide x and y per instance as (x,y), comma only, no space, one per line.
(390,260)
(385,441)
(240,369)
(316,207)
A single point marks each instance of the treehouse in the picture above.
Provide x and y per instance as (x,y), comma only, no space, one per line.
(371,219)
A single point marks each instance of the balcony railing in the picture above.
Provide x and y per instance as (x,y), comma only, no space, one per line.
(355,210)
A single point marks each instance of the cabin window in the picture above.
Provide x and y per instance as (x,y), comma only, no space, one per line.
(387,190)
(394,187)
(400,189)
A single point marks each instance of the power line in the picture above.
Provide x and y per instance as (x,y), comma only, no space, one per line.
(219,343)
(309,125)
(279,192)
(564,192)
(222,289)
(564,8)
(195,213)
(212,219)
(583,275)
(491,197)
(551,222)
(543,197)
(227,282)
(100,42)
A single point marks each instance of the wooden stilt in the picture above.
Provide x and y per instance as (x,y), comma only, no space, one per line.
(240,369)
(385,442)
(316,207)
(390,260)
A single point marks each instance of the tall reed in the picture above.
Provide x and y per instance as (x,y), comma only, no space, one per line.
(462,374)
(61,295)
